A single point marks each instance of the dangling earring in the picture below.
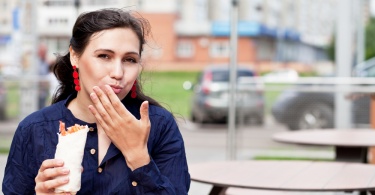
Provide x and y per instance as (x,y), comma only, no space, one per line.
(76,81)
(133,90)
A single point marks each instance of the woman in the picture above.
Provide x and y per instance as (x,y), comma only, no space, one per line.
(134,145)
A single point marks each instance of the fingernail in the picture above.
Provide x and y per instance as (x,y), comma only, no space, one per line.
(92,95)
(59,162)
(95,88)
(64,179)
(65,170)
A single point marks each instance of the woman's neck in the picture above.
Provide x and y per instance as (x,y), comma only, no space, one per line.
(79,107)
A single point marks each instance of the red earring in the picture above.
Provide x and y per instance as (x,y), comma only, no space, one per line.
(76,81)
(133,90)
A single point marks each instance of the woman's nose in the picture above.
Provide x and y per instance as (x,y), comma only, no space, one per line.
(117,71)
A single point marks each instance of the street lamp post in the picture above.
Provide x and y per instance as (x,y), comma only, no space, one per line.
(344,61)
(29,88)
(231,142)
(360,32)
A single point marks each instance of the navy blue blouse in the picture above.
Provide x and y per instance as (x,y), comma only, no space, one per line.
(36,138)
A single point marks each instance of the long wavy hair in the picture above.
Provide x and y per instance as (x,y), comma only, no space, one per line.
(85,26)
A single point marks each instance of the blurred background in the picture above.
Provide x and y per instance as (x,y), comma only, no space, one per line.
(278,40)
(296,60)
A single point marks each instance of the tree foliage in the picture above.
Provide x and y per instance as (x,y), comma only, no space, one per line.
(370,39)
(369,42)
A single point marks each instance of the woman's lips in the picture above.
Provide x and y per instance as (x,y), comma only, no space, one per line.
(116,90)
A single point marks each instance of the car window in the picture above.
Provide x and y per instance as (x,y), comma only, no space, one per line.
(371,72)
(365,69)
(223,75)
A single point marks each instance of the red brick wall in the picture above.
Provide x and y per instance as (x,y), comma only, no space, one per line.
(162,43)
(160,54)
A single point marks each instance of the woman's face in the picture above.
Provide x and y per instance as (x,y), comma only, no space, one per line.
(111,58)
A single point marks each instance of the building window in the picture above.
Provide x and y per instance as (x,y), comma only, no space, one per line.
(219,49)
(251,11)
(58,21)
(185,49)
(53,3)
(265,49)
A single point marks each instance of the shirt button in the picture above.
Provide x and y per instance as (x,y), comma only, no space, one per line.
(134,183)
(91,129)
(92,151)
(100,170)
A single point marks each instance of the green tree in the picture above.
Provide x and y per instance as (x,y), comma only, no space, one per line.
(370,39)
(369,44)
(331,49)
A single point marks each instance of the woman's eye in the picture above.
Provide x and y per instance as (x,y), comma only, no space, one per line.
(132,60)
(103,56)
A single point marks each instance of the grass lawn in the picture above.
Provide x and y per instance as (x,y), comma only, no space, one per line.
(166,87)
(13,100)
(290,158)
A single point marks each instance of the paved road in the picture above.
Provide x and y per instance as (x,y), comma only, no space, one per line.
(208,143)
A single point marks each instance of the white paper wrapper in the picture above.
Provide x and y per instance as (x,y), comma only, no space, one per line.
(70,149)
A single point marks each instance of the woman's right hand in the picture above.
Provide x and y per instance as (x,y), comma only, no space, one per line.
(46,180)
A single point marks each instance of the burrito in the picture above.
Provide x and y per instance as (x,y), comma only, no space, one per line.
(70,149)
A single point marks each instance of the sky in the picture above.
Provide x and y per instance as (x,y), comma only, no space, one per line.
(373,7)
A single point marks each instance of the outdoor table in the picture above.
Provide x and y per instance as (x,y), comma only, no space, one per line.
(350,145)
(313,176)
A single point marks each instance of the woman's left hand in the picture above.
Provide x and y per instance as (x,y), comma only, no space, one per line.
(126,132)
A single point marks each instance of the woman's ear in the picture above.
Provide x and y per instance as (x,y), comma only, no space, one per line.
(73,57)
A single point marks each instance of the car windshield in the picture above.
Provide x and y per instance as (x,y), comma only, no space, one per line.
(223,75)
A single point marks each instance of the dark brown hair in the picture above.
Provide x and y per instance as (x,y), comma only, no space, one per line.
(85,26)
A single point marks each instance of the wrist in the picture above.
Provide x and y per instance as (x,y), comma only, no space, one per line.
(137,160)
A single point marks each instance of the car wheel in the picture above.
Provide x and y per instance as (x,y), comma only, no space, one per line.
(197,118)
(314,116)
(193,118)
(253,119)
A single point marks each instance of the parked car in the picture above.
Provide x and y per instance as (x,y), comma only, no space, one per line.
(309,110)
(211,96)
(315,110)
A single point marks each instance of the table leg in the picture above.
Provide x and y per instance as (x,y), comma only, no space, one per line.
(351,154)
(217,190)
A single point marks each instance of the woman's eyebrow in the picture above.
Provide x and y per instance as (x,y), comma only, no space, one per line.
(106,50)
(111,51)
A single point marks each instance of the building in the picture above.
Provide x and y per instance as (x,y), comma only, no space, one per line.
(190,34)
